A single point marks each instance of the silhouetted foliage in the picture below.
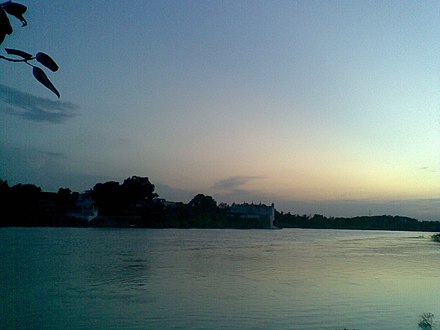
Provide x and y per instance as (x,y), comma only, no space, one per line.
(383,222)
(138,189)
(17,10)
(203,203)
(65,200)
(27,205)
(108,198)
(111,198)
(426,321)
(21,204)
(135,204)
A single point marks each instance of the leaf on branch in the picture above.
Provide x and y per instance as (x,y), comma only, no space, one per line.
(18,52)
(42,78)
(5,25)
(17,10)
(47,61)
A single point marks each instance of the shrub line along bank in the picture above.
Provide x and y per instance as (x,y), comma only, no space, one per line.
(135,204)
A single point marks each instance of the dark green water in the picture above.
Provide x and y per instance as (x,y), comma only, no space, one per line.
(64,278)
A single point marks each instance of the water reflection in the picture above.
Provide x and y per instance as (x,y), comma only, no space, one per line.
(287,279)
(127,273)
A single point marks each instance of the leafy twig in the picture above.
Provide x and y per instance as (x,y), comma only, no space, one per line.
(17,10)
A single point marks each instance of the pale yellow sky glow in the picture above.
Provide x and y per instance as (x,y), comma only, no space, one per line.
(300,103)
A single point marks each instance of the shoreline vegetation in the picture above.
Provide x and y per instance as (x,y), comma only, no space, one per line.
(134,204)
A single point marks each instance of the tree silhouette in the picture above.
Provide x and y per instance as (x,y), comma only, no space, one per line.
(17,10)
(426,321)
(111,198)
(203,203)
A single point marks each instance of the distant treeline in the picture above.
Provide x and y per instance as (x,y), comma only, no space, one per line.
(130,204)
(135,204)
(382,222)
(26,205)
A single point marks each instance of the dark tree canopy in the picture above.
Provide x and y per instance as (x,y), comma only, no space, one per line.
(138,188)
(203,203)
(107,197)
(111,198)
(65,200)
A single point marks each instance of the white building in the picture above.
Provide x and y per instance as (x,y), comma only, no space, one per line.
(255,211)
(84,207)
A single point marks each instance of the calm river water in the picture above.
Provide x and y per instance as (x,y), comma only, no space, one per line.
(65,278)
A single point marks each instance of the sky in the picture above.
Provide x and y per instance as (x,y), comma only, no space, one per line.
(328,107)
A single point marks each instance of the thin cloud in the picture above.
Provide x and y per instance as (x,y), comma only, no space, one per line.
(427,169)
(234,190)
(174,194)
(34,108)
(56,155)
(233,182)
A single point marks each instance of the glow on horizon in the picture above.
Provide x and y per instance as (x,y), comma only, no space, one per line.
(284,101)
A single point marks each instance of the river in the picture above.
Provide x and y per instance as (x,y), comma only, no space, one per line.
(88,278)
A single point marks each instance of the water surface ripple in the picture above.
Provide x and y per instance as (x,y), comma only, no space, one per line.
(68,278)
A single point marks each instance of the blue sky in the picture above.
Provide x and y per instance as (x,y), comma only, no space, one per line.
(319,106)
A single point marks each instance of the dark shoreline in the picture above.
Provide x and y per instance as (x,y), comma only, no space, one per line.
(384,223)
(134,204)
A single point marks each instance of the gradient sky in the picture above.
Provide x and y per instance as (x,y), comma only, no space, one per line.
(327,107)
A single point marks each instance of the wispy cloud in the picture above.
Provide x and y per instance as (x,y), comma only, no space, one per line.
(34,108)
(56,155)
(234,190)
(234,182)
(174,194)
(227,190)
(47,169)
(427,169)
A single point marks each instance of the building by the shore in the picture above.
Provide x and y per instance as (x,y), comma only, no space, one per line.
(261,212)
(84,207)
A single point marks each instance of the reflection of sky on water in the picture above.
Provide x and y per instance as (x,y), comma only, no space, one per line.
(374,277)
(127,272)
(293,279)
